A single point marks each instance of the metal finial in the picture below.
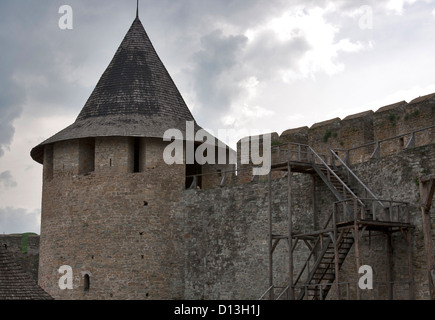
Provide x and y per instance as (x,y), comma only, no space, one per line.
(137,9)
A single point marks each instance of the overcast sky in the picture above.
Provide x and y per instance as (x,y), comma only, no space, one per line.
(249,65)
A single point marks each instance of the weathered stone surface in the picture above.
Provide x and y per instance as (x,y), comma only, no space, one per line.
(226,231)
(113,224)
(141,235)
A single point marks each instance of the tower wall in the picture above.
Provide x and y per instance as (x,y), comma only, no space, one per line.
(113,154)
(65,158)
(112,224)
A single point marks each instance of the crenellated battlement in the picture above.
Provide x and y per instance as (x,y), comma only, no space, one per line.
(362,136)
(368,127)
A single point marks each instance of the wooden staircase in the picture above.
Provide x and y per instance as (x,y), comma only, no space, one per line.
(319,281)
(329,246)
(321,278)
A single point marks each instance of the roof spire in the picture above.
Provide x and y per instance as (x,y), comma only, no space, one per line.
(137,9)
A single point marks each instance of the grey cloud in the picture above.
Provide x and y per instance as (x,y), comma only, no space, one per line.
(19,220)
(268,55)
(215,79)
(241,12)
(7,180)
(225,61)
(10,109)
(38,58)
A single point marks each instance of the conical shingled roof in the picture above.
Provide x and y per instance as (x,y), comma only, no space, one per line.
(135,96)
(15,284)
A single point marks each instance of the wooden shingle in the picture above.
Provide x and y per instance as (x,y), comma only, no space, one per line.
(15,284)
(134,97)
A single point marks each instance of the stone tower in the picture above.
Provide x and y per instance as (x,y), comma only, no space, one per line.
(108,196)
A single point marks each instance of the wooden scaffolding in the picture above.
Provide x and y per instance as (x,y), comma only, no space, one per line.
(351,216)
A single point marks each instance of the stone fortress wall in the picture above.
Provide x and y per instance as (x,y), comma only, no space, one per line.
(226,227)
(126,221)
(226,231)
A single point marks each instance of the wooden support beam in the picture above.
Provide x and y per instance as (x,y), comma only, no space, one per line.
(275,244)
(315,217)
(271,292)
(290,230)
(427,188)
(313,233)
(336,253)
(429,184)
(356,236)
(294,244)
(362,231)
(308,245)
(410,266)
(389,267)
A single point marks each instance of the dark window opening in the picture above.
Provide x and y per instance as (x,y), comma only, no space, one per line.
(402,142)
(86,156)
(193,175)
(87,282)
(136,157)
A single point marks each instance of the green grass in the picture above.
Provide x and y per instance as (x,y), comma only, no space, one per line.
(24,238)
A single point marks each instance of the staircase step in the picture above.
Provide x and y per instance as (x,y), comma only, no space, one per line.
(324,272)
(329,277)
(347,242)
(328,271)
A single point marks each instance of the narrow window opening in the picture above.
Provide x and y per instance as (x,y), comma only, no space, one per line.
(193,175)
(402,142)
(136,165)
(86,156)
(87,283)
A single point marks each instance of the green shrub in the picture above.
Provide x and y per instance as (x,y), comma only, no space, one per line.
(327,135)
